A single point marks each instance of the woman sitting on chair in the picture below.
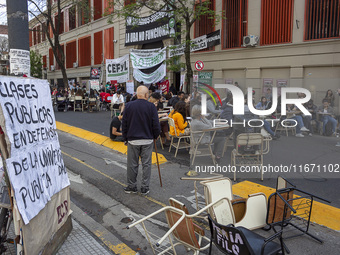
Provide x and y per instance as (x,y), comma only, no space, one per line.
(179,116)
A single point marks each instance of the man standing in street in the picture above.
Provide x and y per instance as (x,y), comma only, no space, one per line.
(140,127)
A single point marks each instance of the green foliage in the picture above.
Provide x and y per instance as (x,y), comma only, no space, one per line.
(36,64)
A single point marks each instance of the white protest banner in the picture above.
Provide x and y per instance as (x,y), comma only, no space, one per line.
(20,62)
(130,87)
(153,77)
(36,169)
(141,62)
(145,52)
(117,69)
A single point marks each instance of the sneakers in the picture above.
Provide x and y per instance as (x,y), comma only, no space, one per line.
(304,129)
(144,191)
(129,190)
(334,134)
(310,134)
(299,135)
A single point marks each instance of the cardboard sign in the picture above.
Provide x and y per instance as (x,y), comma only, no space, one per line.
(36,169)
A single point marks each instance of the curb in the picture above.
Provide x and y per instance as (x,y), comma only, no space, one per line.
(103,140)
(322,214)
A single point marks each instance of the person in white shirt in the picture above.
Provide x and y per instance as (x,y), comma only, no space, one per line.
(117,101)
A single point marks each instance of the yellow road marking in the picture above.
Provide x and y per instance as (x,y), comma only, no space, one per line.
(121,248)
(102,140)
(322,214)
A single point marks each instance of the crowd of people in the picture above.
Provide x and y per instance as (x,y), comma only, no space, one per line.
(139,122)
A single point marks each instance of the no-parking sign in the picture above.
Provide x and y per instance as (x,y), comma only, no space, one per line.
(199,65)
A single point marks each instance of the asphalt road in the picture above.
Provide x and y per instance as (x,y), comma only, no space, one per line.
(287,151)
(98,176)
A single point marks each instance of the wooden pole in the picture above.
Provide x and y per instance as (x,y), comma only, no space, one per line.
(159,171)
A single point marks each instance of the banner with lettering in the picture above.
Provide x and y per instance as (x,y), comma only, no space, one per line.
(118,69)
(36,169)
(158,26)
(148,61)
(199,43)
(153,77)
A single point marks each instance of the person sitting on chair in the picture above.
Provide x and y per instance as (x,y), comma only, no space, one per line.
(179,116)
(115,128)
(328,116)
(117,101)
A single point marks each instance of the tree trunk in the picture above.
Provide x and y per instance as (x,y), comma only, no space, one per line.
(189,74)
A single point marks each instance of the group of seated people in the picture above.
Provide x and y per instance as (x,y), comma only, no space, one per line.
(65,97)
(187,117)
(324,114)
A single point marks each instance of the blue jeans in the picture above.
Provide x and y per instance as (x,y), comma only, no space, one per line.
(326,119)
(266,126)
(299,121)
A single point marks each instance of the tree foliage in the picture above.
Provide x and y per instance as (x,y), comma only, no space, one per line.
(186,13)
(36,64)
(44,12)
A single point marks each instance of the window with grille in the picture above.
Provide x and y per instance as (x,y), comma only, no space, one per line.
(59,56)
(72,18)
(38,34)
(322,19)
(234,23)
(84,51)
(71,54)
(108,7)
(45,62)
(34,36)
(98,47)
(61,24)
(108,43)
(97,9)
(84,13)
(51,58)
(276,21)
(43,32)
(30,38)
(205,24)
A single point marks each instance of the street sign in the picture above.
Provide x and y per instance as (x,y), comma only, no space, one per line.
(199,65)
(95,72)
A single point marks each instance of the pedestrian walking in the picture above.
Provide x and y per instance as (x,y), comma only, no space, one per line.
(140,127)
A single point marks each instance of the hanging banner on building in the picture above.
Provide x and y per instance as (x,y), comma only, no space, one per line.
(95,73)
(36,169)
(118,69)
(140,62)
(19,61)
(213,38)
(145,52)
(153,77)
(158,26)
(199,43)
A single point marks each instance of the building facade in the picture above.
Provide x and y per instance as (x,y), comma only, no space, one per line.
(298,44)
